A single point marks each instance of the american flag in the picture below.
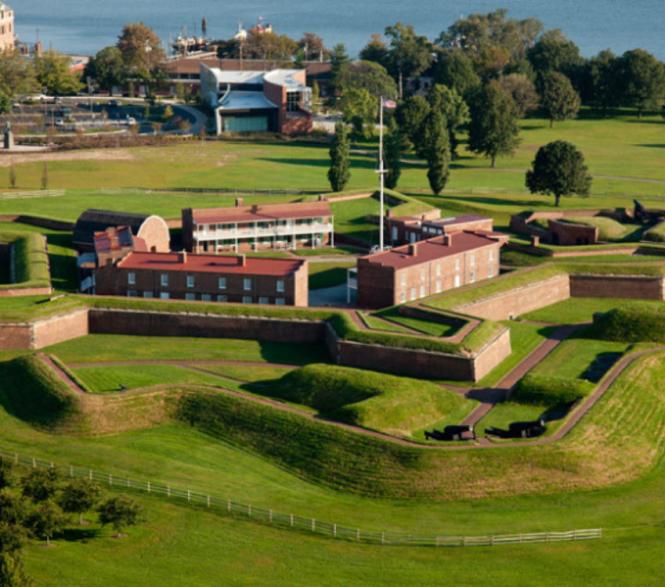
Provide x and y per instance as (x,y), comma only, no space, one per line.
(389,104)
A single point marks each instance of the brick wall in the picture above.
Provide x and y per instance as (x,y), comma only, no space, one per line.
(204,325)
(492,355)
(613,286)
(15,336)
(566,234)
(520,300)
(59,328)
(156,234)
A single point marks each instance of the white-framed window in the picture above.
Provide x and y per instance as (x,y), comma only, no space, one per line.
(279,285)
(423,291)
(457,264)
(437,286)
(164,295)
(490,255)
(190,297)
(246,299)
(414,293)
(148,294)
(247,284)
(402,297)
(403,279)
(422,275)
(458,280)
(264,300)
(131,278)
(472,276)
(190,281)
(472,259)
(221,283)
(132,293)
(222,298)
(438,270)
(206,298)
(164,279)
(280,301)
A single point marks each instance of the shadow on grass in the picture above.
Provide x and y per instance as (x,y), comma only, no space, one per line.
(652,146)
(294,353)
(356,162)
(80,534)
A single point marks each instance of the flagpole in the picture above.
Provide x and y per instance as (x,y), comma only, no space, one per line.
(381,172)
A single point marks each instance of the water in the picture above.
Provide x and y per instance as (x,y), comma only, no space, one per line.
(85,26)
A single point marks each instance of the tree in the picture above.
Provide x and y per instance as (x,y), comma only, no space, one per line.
(641,78)
(107,68)
(558,170)
(339,174)
(12,509)
(142,52)
(376,50)
(12,573)
(40,484)
(17,75)
(54,74)
(12,176)
(312,47)
(600,85)
(45,520)
(494,128)
(269,46)
(411,115)
(393,155)
(79,496)
(438,151)
(120,512)
(316,96)
(453,68)
(338,59)
(454,109)
(6,468)
(44,180)
(409,54)
(359,108)
(555,52)
(366,75)
(559,99)
(523,92)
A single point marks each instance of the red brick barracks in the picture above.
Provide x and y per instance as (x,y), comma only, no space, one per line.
(428,267)
(208,278)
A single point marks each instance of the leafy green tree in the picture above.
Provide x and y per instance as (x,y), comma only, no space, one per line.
(45,520)
(454,109)
(494,128)
(12,573)
(366,75)
(559,99)
(54,74)
(376,50)
(600,84)
(40,484)
(393,155)
(338,59)
(120,512)
(555,52)
(7,474)
(12,509)
(17,76)
(107,68)
(359,108)
(44,180)
(12,176)
(438,151)
(79,496)
(641,78)
(523,92)
(312,47)
(411,115)
(454,69)
(269,45)
(142,52)
(409,55)
(558,170)
(339,173)
(316,96)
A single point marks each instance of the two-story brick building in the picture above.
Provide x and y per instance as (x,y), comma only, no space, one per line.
(410,229)
(208,278)
(258,227)
(428,267)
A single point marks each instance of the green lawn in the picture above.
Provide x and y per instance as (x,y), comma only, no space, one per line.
(112,378)
(111,347)
(578,310)
(376,323)
(430,328)
(322,275)
(19,309)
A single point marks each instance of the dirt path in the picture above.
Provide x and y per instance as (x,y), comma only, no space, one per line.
(64,377)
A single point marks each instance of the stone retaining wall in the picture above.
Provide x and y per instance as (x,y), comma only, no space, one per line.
(616,286)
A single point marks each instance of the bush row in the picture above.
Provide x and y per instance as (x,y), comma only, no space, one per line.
(545,390)
(634,323)
(31,263)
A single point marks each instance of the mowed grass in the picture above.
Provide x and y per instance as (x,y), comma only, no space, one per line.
(430,328)
(322,275)
(110,347)
(112,379)
(579,310)
(178,546)
(18,309)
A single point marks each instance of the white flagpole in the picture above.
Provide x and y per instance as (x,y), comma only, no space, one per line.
(381,172)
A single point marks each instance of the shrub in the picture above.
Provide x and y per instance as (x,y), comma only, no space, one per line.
(655,233)
(638,322)
(544,390)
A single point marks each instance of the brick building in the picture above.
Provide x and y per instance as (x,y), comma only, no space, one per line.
(257,101)
(7,33)
(272,226)
(209,278)
(411,229)
(152,230)
(428,267)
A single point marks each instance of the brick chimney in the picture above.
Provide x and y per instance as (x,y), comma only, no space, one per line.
(182,257)
(448,240)
(535,241)
(239,202)
(242,260)
(413,249)
(389,213)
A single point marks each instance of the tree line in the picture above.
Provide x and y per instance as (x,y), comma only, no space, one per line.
(40,504)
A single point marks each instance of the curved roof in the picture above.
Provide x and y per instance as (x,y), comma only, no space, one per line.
(94,220)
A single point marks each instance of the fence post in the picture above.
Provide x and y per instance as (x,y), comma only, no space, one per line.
(16,458)
(148,486)
(168,491)
(208,501)
(90,474)
(34,463)
(291,520)
(358,534)
(383,537)
(71,471)
(110,479)
(189,495)
(270,516)
(334,529)
(313,525)
(249,511)
(228,505)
